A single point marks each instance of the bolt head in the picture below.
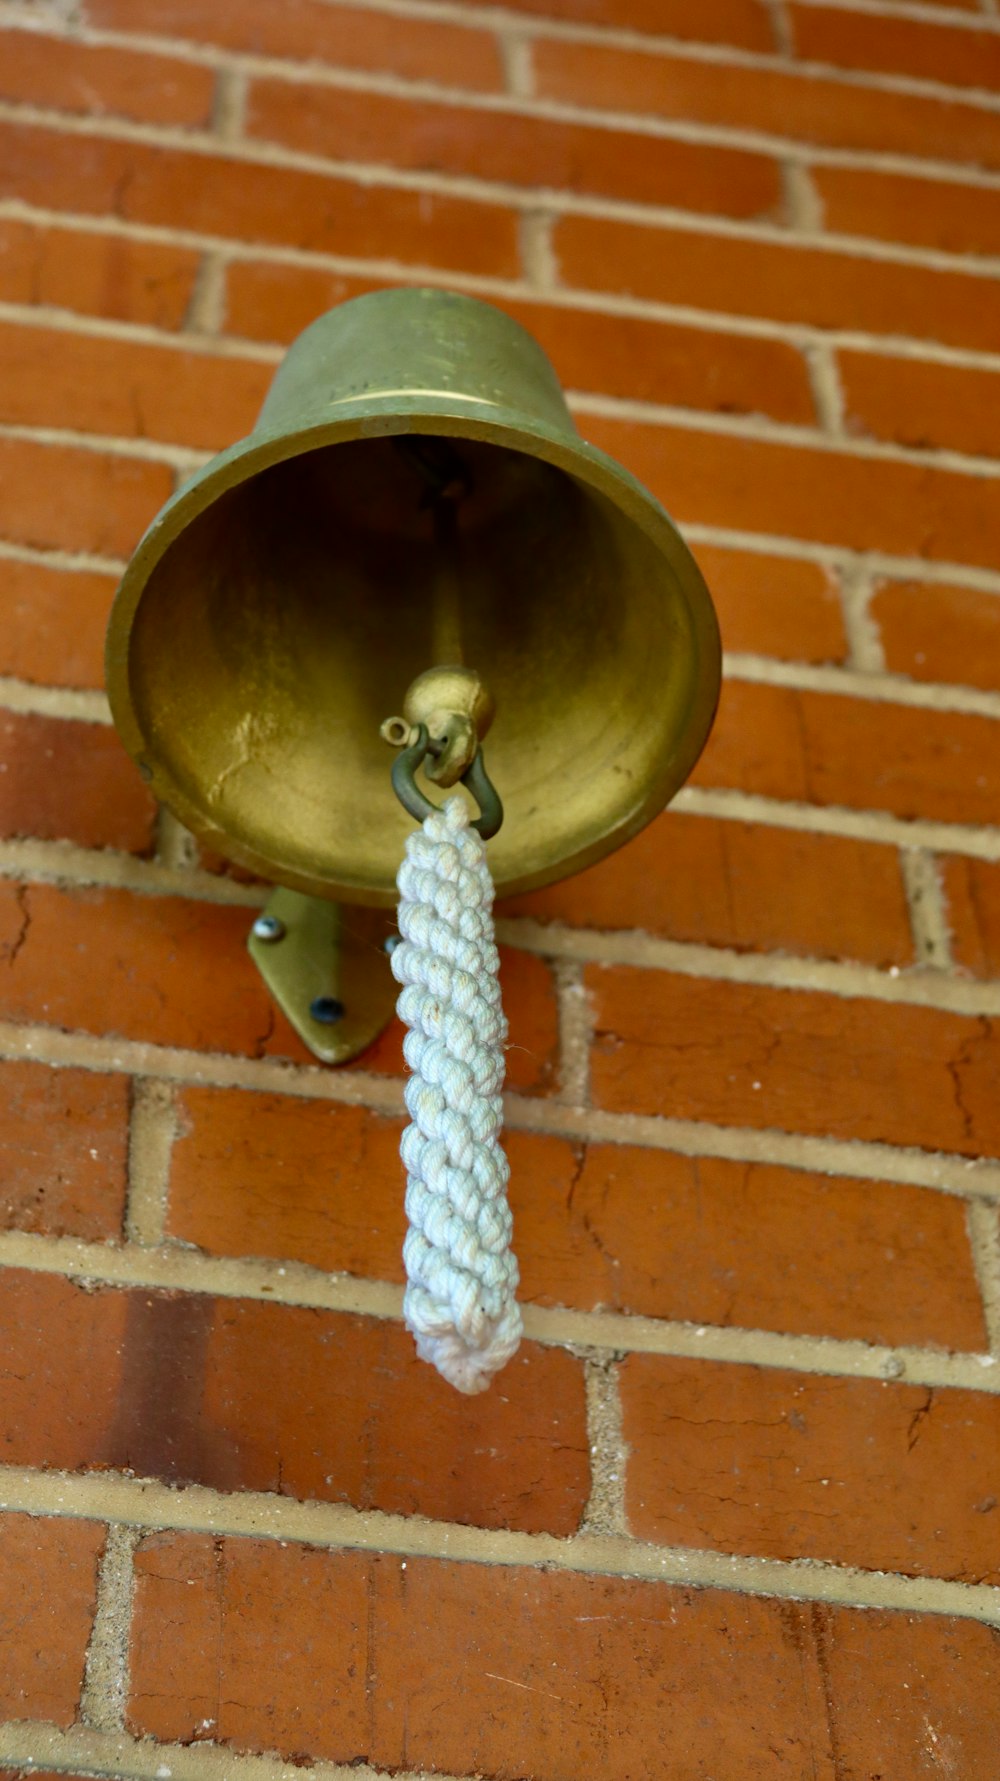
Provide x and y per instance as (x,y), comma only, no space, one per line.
(268,927)
(327,1010)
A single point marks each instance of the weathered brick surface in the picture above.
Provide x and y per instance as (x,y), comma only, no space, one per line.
(144,968)
(98,274)
(935,632)
(832,113)
(822,748)
(823,287)
(740,22)
(972,897)
(753,1459)
(515,150)
(100,81)
(65,781)
(49,377)
(106,499)
(793,1059)
(343,36)
(222,195)
(943,406)
(62,1151)
(596,1226)
(48,1578)
(775,606)
(561,1675)
(54,623)
(243,1395)
(936,213)
(820,495)
(732,884)
(940,53)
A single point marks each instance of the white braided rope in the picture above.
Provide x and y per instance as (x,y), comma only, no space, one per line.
(461,1272)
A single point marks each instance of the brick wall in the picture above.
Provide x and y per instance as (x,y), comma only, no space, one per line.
(733,1511)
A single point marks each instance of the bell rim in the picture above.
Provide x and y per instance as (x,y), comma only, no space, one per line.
(380,416)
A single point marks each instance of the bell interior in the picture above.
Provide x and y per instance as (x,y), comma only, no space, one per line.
(287,620)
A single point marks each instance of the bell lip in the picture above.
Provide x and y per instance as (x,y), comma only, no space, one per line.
(379,416)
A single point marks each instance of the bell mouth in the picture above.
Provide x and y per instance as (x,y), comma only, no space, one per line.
(279,608)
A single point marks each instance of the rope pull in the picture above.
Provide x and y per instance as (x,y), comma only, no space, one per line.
(462,1275)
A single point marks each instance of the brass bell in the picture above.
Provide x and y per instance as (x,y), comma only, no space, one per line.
(414,496)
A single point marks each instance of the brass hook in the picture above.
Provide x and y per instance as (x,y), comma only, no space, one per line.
(475,777)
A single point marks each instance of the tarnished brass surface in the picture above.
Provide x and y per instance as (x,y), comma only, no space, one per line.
(457,708)
(283,601)
(327,951)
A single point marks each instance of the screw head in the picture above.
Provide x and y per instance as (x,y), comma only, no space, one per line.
(268,927)
(327,1010)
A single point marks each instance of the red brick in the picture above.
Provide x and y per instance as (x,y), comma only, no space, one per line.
(886,1476)
(342,36)
(63,74)
(105,501)
(48,1584)
(515,148)
(597,1227)
(735,884)
(153,968)
(244,1395)
(651,361)
(104,275)
(972,893)
(61,780)
(776,606)
(269,300)
(63,1143)
(262,1646)
(224,195)
(830,1066)
(126,388)
(937,213)
(754,1246)
(54,623)
(740,22)
(822,287)
(826,496)
(648,361)
(303,1688)
(177,973)
(936,632)
(297,1180)
(808,108)
(921,404)
(827,748)
(928,51)
(532,1056)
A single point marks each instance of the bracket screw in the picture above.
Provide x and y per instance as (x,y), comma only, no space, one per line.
(327,1010)
(268,927)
